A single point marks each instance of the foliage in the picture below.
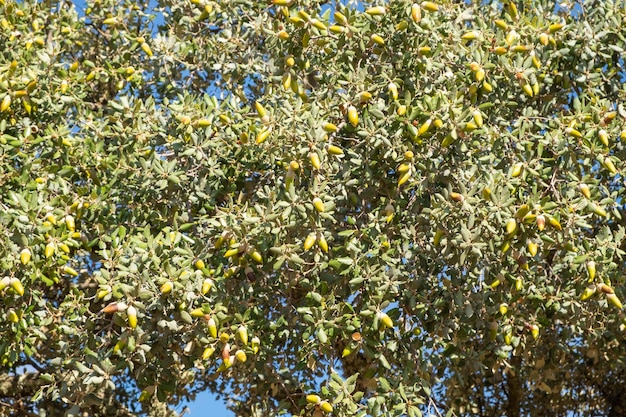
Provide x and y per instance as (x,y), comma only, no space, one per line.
(376,209)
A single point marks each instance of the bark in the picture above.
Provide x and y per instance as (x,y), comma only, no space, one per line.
(514,391)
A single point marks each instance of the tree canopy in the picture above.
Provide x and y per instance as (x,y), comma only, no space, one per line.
(313,207)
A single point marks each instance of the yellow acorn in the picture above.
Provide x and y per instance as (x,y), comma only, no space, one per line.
(206,285)
(614,300)
(401,110)
(573,132)
(511,226)
(486,193)
(532,248)
(70,271)
(318,24)
(146,48)
(231,252)
(263,135)
(5,104)
(25,256)
(501,24)
(197,312)
(49,250)
(528,89)
(404,178)
(393,90)
(544,39)
(326,407)
(608,164)
(424,127)
(385,319)
(110,21)
(318,204)
(479,76)
(534,331)
(499,50)
(376,11)
(315,160)
(242,332)
(17,286)
(555,223)
(588,292)
(256,257)
(429,6)
(211,325)
(478,117)
(12,316)
(517,169)
(131,314)
(584,189)
(322,243)
(208,352)
(604,137)
(555,27)
(470,36)
(330,128)
(255,342)
(416,13)
(521,48)
(313,399)
(69,223)
(594,208)
(167,287)
(309,241)
(377,39)
(347,351)
(459,198)
(241,355)
(503,309)
(341,18)
(337,29)
(283,35)
(353,116)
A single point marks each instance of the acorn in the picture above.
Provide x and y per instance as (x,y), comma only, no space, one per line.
(208,352)
(318,204)
(541,222)
(385,319)
(614,300)
(242,332)
(534,331)
(17,286)
(254,343)
(429,6)
(326,407)
(353,116)
(584,189)
(309,241)
(376,11)
(212,327)
(25,255)
(167,287)
(313,399)
(131,314)
(206,285)
(241,355)
(322,243)
(456,197)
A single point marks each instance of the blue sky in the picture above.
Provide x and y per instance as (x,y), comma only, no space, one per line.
(206,402)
